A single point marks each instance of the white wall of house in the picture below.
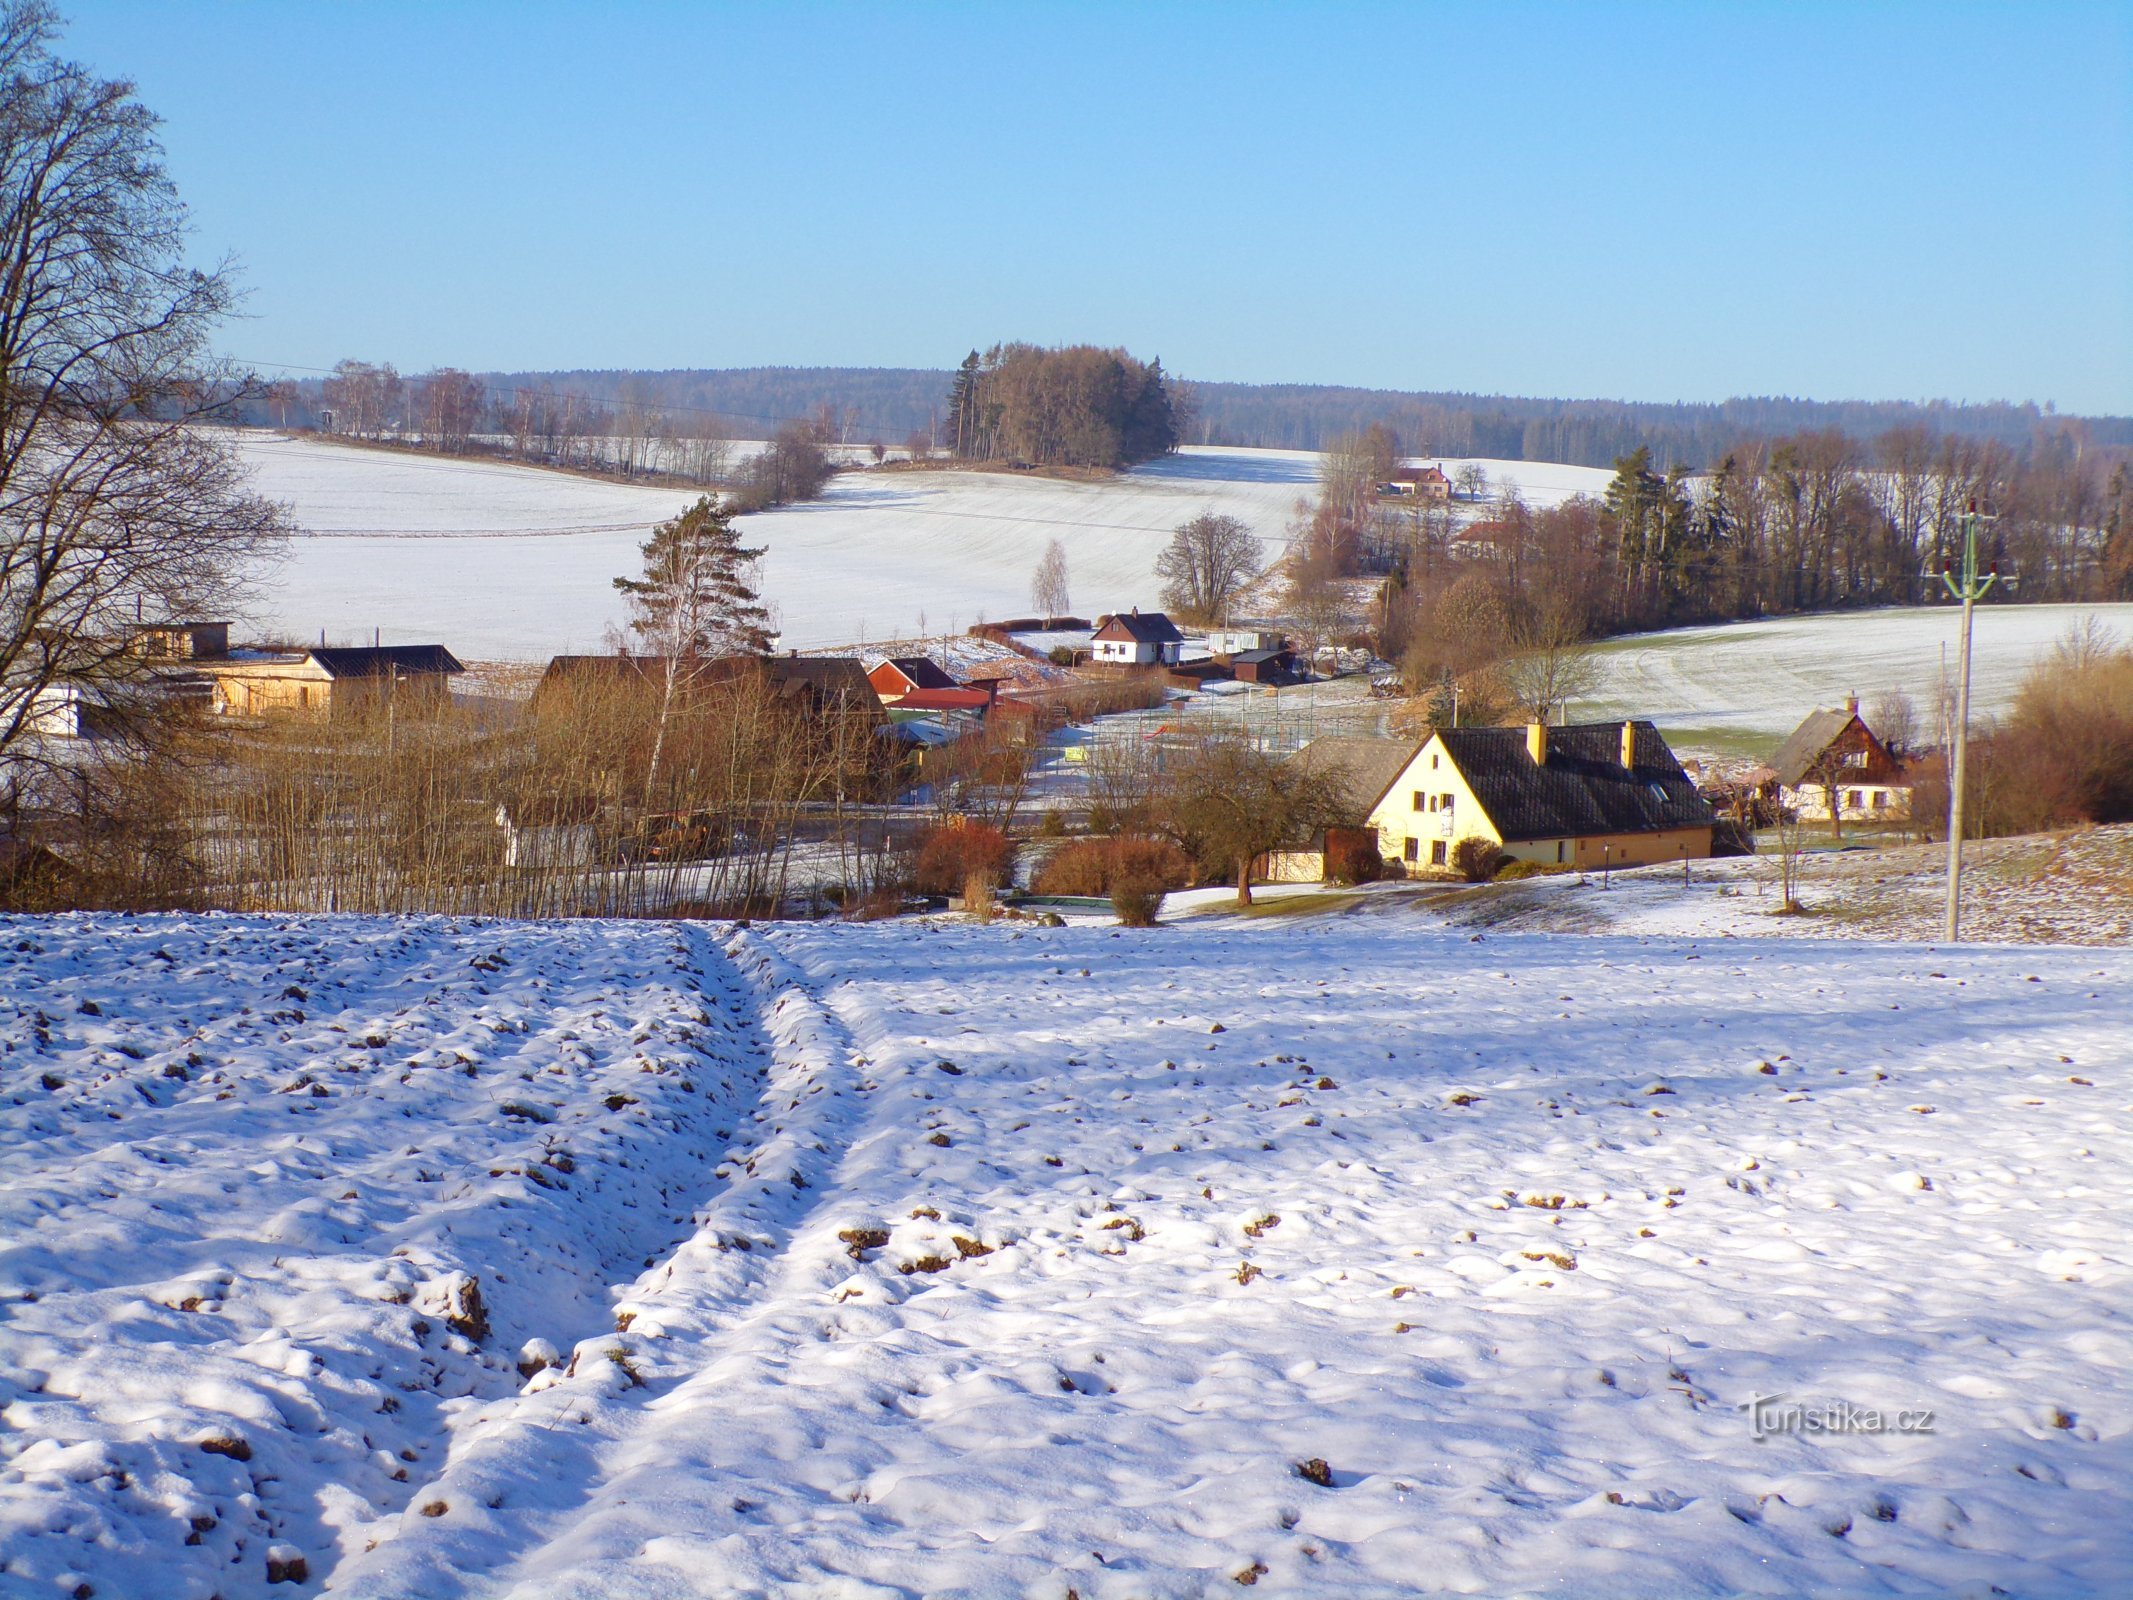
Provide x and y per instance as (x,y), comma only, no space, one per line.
(1130,652)
(1856,802)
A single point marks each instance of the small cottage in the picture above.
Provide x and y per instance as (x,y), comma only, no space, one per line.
(328,681)
(1135,638)
(1834,768)
(1417,483)
(899,676)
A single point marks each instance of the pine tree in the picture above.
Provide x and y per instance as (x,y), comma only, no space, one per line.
(962,409)
(697,597)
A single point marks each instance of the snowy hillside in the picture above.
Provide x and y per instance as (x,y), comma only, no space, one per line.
(509,562)
(1344,1257)
(1744,686)
(514,562)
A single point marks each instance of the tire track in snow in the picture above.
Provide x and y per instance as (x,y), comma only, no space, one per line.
(526,1478)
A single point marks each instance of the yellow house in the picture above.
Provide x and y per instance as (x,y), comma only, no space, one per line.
(1587,795)
(327,680)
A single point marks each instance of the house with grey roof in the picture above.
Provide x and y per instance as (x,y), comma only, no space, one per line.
(1585,795)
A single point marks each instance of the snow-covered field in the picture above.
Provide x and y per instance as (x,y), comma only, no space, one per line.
(1343,1256)
(1742,687)
(502,561)
(516,563)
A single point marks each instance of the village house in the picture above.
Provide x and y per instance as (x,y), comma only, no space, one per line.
(1240,641)
(1833,764)
(1418,483)
(1586,796)
(816,685)
(1134,638)
(180,641)
(1272,667)
(327,681)
(898,676)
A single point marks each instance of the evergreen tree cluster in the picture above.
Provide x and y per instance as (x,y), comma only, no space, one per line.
(1073,406)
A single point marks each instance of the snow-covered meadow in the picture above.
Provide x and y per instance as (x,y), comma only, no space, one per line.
(1743,686)
(510,562)
(1352,1255)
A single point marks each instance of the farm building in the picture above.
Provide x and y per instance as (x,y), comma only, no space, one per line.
(1140,639)
(818,685)
(1834,766)
(327,680)
(1272,667)
(180,641)
(899,676)
(1417,483)
(1586,795)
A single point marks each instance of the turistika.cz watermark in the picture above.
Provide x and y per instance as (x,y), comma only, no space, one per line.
(1776,1413)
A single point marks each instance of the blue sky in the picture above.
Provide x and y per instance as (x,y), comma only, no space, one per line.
(1655,202)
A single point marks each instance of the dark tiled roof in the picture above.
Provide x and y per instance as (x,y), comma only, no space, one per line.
(1582,788)
(1144,627)
(371,661)
(1797,756)
(1366,768)
(819,678)
(924,672)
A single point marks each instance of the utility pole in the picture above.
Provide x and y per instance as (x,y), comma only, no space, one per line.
(1969,591)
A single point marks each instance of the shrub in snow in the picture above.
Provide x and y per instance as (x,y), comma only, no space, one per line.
(1477,860)
(967,858)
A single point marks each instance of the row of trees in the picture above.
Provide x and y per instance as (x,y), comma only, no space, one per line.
(455,412)
(1074,406)
(1804,523)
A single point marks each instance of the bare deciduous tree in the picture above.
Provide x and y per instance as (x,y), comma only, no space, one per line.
(1894,718)
(115,502)
(1229,803)
(1206,562)
(1552,663)
(1048,584)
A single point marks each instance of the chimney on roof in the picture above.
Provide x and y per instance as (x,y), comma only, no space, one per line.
(1629,746)
(1537,742)
(1851,705)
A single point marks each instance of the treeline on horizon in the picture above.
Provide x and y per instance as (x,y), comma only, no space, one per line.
(896,404)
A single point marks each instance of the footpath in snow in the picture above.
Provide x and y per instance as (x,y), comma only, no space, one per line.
(1350,1255)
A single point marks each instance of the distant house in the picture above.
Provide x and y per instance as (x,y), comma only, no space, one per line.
(180,641)
(1417,483)
(1237,641)
(1586,795)
(1834,763)
(817,685)
(1135,638)
(1273,667)
(1489,537)
(901,675)
(326,680)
